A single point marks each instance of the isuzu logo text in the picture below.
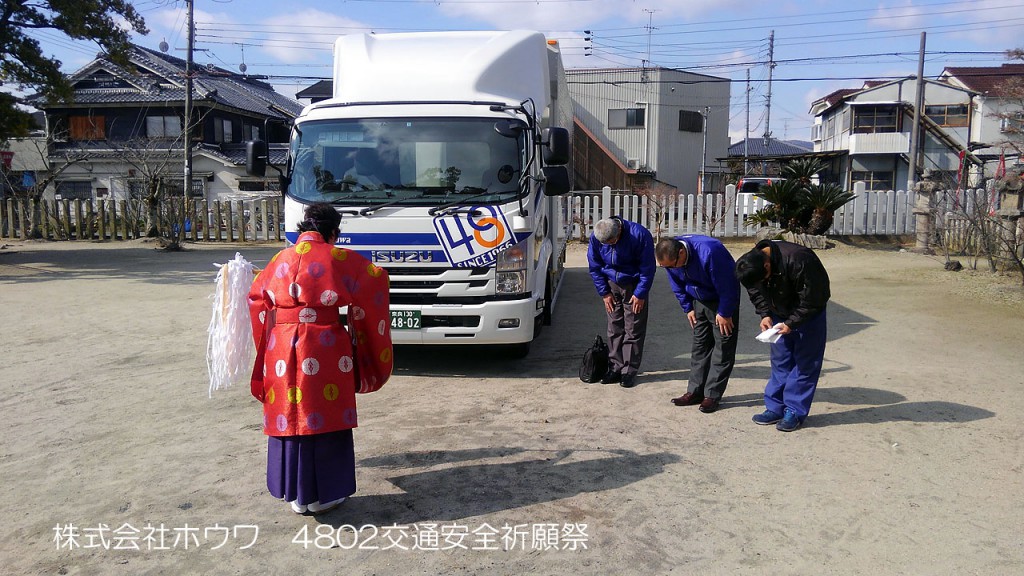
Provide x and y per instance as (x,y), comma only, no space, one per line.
(402,256)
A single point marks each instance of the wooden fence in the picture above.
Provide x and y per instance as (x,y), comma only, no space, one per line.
(723,215)
(729,214)
(104,219)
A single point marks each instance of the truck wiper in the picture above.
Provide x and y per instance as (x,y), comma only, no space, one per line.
(370,209)
(433,211)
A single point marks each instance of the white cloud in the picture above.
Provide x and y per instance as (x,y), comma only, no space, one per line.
(989,23)
(306,35)
(580,15)
(170,25)
(899,17)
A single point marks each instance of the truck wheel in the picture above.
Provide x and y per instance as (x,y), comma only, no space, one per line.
(549,305)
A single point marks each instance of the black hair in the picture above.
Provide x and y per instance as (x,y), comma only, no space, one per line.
(320,217)
(750,268)
(667,248)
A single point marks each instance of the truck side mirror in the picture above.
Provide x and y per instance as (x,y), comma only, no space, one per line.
(509,128)
(556,141)
(256,158)
(556,180)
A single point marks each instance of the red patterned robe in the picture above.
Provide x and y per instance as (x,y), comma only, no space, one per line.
(308,365)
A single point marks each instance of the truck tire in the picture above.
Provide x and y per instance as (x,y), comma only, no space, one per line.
(546,313)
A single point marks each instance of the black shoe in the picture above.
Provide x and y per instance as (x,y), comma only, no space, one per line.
(628,380)
(611,377)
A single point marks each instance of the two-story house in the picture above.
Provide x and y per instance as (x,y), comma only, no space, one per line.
(996,109)
(864,134)
(127,120)
(641,126)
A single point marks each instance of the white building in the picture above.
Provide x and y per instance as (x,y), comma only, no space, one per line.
(652,123)
(865,133)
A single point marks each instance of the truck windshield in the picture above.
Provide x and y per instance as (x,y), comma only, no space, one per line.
(404,161)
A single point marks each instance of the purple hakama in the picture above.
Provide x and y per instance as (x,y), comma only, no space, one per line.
(311,468)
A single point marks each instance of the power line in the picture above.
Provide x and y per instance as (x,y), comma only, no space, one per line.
(766,24)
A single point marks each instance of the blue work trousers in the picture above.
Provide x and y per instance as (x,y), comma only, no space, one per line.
(796,365)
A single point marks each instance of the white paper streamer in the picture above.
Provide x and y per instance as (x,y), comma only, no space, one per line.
(229,349)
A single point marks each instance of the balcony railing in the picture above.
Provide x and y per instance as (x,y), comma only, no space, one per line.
(880,143)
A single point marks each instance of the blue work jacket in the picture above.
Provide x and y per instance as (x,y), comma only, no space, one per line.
(630,261)
(709,275)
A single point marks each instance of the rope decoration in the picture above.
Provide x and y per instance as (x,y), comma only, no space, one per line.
(229,348)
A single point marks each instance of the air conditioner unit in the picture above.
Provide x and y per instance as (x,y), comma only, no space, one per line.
(633,163)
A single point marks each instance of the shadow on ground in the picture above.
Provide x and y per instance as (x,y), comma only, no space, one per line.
(882,406)
(465,491)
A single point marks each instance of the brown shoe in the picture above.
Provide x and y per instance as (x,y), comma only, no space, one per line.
(688,399)
(709,405)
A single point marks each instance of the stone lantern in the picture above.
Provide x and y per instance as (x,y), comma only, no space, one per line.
(924,217)
(1011,193)
(1011,209)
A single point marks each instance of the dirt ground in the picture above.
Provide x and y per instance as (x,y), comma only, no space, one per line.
(115,461)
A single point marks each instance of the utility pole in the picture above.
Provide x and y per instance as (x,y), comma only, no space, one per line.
(768,107)
(746,130)
(188,120)
(915,131)
(704,149)
(645,78)
(650,29)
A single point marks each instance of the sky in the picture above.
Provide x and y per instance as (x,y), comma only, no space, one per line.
(819,46)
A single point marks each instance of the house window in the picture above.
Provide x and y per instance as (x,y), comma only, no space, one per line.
(173,187)
(690,121)
(251,132)
(222,131)
(87,128)
(816,132)
(163,127)
(874,119)
(626,118)
(259,186)
(881,181)
(947,115)
(75,190)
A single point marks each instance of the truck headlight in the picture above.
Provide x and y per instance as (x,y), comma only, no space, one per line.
(510,270)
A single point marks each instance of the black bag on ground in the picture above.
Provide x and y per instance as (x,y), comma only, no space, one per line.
(595,362)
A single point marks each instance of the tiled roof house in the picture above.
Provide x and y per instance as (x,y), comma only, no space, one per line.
(137,111)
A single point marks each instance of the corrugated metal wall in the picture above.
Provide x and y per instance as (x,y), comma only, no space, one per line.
(674,155)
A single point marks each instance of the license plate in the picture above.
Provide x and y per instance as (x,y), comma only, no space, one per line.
(405,319)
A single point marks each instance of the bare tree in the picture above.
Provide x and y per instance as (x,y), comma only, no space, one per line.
(32,193)
(660,203)
(153,185)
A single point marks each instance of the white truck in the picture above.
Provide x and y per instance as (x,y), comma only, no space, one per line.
(446,154)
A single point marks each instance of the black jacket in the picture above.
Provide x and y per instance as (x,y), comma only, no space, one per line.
(798,287)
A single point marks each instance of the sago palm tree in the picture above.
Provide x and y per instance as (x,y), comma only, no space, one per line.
(784,203)
(823,200)
(803,170)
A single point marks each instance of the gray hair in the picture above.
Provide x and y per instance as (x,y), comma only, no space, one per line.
(607,230)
